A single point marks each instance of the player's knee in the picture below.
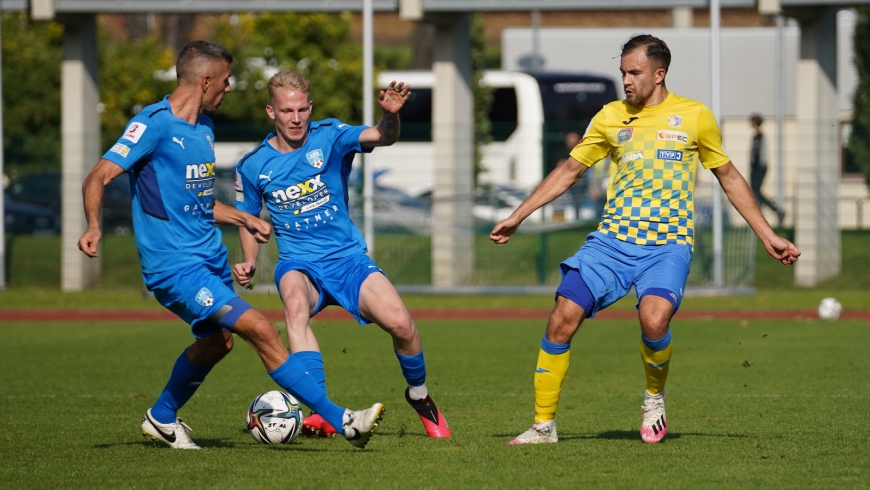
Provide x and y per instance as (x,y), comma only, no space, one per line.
(209,351)
(296,306)
(400,324)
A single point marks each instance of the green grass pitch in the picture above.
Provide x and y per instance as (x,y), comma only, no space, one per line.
(773,404)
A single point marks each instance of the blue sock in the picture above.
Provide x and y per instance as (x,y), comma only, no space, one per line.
(292,377)
(413,368)
(183,382)
(313,362)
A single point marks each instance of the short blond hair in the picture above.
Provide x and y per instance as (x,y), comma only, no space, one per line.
(287,79)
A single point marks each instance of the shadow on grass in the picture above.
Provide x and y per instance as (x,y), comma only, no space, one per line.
(627,435)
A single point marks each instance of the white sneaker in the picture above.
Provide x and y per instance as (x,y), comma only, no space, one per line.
(174,434)
(655,422)
(360,425)
(542,433)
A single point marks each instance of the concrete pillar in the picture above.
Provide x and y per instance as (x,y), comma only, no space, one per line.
(682,17)
(817,234)
(452,134)
(80,132)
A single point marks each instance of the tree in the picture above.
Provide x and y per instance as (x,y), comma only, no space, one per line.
(859,139)
(318,45)
(31,95)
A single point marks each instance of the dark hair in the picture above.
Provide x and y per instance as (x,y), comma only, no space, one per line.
(756,119)
(195,54)
(656,49)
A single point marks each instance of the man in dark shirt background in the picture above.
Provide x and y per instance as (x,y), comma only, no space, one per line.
(758,168)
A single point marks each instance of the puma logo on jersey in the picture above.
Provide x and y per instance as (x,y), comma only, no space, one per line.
(267,177)
(179,141)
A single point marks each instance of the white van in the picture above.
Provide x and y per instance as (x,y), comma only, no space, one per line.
(530,115)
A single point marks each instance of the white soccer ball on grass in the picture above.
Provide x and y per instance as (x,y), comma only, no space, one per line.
(274,417)
(830,309)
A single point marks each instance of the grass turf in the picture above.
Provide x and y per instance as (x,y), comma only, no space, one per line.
(73,396)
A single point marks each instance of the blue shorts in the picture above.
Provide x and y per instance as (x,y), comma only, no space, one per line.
(338,281)
(609,267)
(200,294)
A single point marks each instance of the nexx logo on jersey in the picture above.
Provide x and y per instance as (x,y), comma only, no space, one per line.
(666,135)
(302,197)
(315,158)
(200,176)
(672,155)
(299,190)
(134,132)
(624,135)
(204,297)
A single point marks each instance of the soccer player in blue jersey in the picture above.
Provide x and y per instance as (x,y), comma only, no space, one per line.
(168,150)
(301,173)
(656,140)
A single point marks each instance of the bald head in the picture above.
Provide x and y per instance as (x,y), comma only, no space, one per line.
(199,59)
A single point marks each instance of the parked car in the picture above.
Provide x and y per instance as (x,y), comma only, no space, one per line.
(43,189)
(24,218)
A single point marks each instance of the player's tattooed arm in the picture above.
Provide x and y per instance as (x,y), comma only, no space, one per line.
(386,132)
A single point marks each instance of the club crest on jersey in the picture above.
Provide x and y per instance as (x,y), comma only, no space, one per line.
(204,297)
(675,121)
(624,135)
(315,158)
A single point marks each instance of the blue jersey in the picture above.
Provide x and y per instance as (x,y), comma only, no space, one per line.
(171,163)
(305,192)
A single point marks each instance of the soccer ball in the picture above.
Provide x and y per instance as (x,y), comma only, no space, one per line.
(830,309)
(274,417)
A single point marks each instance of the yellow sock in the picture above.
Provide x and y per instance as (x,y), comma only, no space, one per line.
(553,360)
(656,363)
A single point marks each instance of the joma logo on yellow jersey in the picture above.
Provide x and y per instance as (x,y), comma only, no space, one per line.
(299,190)
(200,171)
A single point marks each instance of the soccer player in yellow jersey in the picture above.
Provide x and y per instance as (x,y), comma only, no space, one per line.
(655,140)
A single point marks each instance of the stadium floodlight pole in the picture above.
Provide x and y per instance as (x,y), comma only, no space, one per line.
(2,179)
(368,120)
(718,265)
(780,109)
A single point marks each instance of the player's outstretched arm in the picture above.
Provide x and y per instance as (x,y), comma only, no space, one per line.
(741,197)
(227,215)
(386,132)
(92,194)
(552,187)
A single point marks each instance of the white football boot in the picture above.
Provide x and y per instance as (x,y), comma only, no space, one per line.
(655,422)
(542,433)
(175,434)
(360,425)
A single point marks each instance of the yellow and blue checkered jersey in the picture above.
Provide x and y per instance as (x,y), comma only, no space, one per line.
(654,152)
